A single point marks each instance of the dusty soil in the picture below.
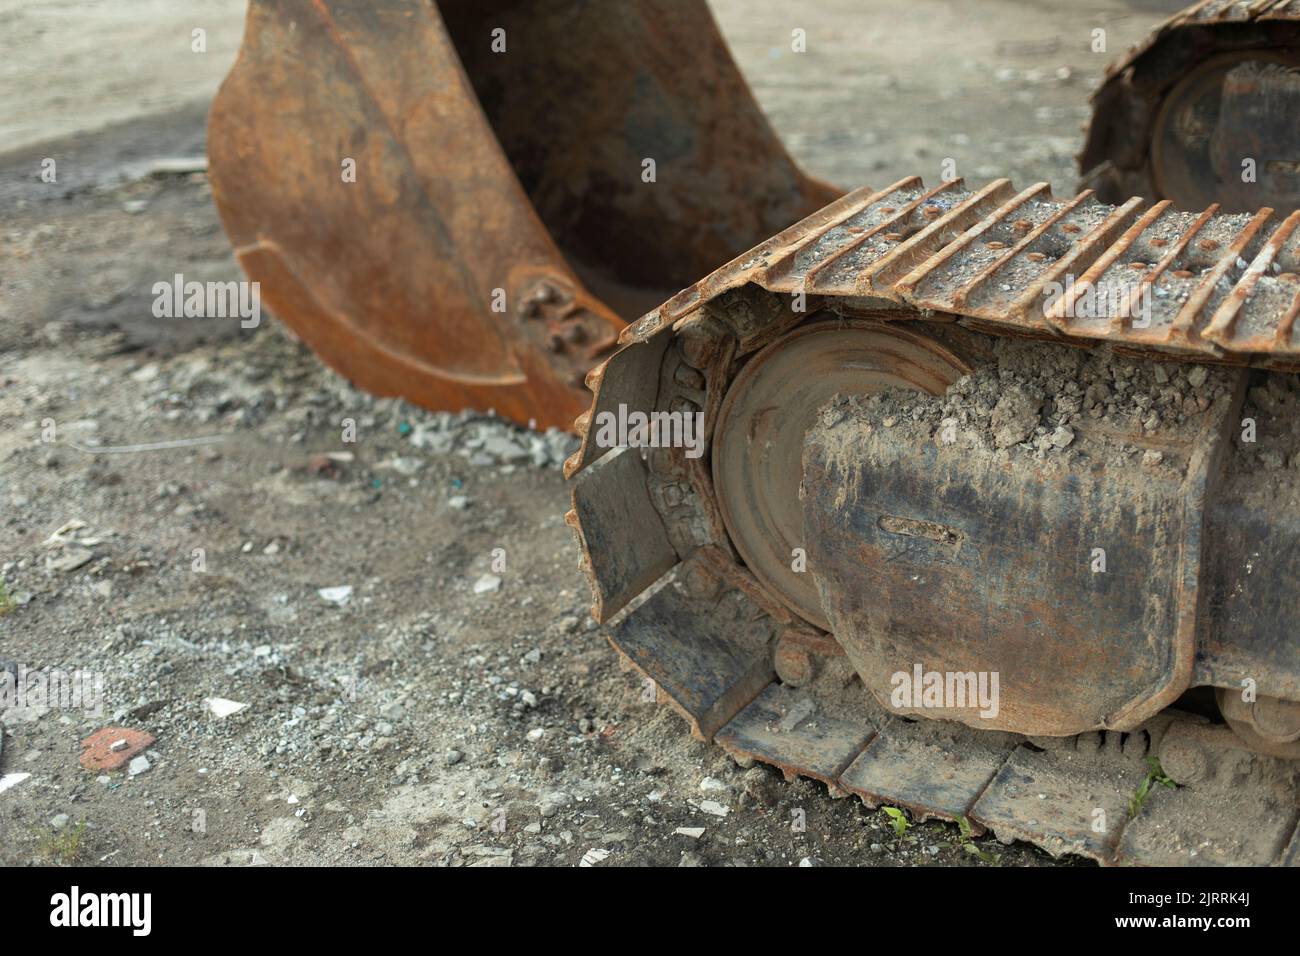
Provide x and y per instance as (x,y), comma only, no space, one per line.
(447,711)
(1041,401)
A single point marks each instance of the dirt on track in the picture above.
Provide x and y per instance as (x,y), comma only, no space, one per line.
(447,711)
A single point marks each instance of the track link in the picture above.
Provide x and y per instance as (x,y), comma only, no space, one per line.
(766,685)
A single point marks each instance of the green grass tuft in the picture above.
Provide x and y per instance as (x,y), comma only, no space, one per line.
(1154,776)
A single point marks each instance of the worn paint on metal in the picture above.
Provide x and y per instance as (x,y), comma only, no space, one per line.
(463,227)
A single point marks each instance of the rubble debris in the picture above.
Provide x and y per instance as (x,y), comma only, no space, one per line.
(486,583)
(221,707)
(336,595)
(98,753)
(11,780)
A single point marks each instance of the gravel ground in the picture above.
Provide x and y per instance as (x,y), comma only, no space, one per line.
(355,630)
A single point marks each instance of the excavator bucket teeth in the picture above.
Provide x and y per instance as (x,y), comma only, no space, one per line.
(458,203)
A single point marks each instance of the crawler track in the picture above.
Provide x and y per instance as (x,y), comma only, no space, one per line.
(763,681)
(1176,116)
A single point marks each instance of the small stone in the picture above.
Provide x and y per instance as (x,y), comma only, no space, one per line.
(801,710)
(714,808)
(70,559)
(1063,435)
(60,821)
(12,780)
(488,582)
(138,765)
(403,466)
(337,595)
(693,832)
(552,803)
(459,502)
(323,466)
(1151,458)
(503,449)
(760,786)
(1197,376)
(220,707)
(1014,417)
(1096,394)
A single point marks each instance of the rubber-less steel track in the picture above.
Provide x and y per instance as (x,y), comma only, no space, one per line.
(684,609)
(1168,121)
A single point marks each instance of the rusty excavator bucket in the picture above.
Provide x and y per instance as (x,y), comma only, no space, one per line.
(461,203)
